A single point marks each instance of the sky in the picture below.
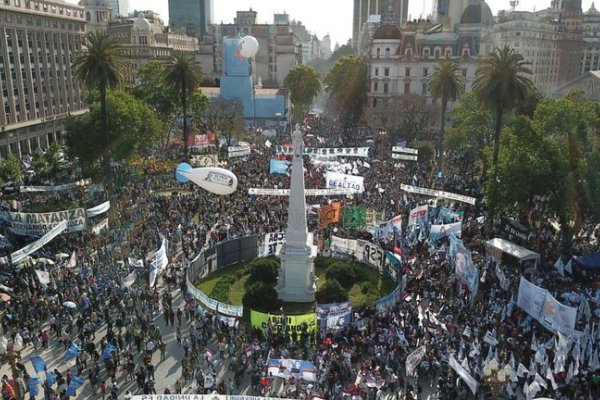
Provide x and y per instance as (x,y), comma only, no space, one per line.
(321,17)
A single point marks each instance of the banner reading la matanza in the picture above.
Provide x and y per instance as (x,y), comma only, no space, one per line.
(290,323)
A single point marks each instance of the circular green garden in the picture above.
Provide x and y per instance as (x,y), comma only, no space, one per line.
(253,284)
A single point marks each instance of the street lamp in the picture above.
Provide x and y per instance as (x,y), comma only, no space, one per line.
(382,134)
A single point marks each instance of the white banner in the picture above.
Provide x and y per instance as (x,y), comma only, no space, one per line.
(326,152)
(201,397)
(407,150)
(463,373)
(38,224)
(418,215)
(160,261)
(97,229)
(548,311)
(439,231)
(99,209)
(414,359)
(465,270)
(212,304)
(341,245)
(55,188)
(129,279)
(238,151)
(135,263)
(43,276)
(335,180)
(405,157)
(19,255)
(370,254)
(273,243)
(307,192)
(438,193)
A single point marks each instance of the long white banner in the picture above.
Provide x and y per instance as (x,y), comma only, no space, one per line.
(341,245)
(19,255)
(38,224)
(307,192)
(438,193)
(212,304)
(200,397)
(414,359)
(97,210)
(56,188)
(335,180)
(404,157)
(548,311)
(408,150)
(370,254)
(238,151)
(463,373)
(273,243)
(326,151)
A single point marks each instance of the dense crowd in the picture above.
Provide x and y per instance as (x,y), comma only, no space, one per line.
(116,336)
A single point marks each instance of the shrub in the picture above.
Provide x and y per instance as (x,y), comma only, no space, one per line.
(367,287)
(331,292)
(345,274)
(264,270)
(220,291)
(321,262)
(262,297)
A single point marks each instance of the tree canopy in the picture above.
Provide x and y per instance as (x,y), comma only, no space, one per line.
(347,84)
(304,85)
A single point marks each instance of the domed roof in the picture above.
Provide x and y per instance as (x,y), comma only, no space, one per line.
(141,24)
(387,32)
(477,14)
(592,10)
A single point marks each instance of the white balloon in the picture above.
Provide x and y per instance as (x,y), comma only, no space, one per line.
(215,180)
(487,371)
(248,46)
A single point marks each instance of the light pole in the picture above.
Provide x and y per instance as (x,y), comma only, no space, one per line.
(382,134)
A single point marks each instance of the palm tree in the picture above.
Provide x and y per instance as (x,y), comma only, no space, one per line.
(446,83)
(500,85)
(100,67)
(184,74)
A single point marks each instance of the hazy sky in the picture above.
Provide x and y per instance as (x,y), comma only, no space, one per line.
(319,16)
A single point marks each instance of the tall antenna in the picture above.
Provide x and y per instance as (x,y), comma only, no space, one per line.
(513,4)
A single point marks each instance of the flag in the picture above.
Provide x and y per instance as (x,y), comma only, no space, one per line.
(72,260)
(135,263)
(50,378)
(43,277)
(540,381)
(521,370)
(550,377)
(568,267)
(108,349)
(33,384)
(38,363)
(73,351)
(75,383)
(560,267)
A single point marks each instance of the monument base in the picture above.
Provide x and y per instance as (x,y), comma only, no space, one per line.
(297,280)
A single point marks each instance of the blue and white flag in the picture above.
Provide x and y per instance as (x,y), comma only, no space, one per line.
(75,383)
(447,215)
(108,349)
(38,363)
(73,351)
(50,378)
(33,384)
(439,231)
(279,166)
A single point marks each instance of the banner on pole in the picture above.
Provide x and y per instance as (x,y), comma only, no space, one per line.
(341,245)
(56,188)
(38,224)
(212,304)
(307,192)
(418,215)
(414,359)
(159,262)
(333,317)
(354,217)
(438,193)
(437,232)
(279,166)
(273,243)
(463,373)
(326,152)
(329,214)
(19,255)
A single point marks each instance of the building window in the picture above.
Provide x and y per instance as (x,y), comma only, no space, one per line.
(407,88)
(425,72)
(426,52)
(423,89)
(464,72)
(448,53)
(386,72)
(375,86)
(374,103)
(436,53)
(407,71)
(408,52)
(386,87)
(387,52)
(376,71)
(378,52)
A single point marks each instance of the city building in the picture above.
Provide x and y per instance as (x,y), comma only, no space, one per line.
(97,14)
(262,106)
(570,44)
(591,40)
(364,8)
(279,48)
(588,84)
(38,41)
(119,8)
(191,16)
(144,39)
(400,60)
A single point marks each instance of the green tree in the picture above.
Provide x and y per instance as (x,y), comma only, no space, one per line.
(331,292)
(186,75)
(134,129)
(347,84)
(470,130)
(304,85)
(100,67)
(262,297)
(226,117)
(445,83)
(500,85)
(11,171)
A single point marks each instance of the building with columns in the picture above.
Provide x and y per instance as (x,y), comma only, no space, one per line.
(38,42)
(591,40)
(97,14)
(144,38)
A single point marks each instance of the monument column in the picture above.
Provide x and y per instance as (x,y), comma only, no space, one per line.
(296,281)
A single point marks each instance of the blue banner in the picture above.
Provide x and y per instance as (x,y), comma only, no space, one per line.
(50,378)
(388,301)
(75,383)
(393,267)
(448,215)
(279,166)
(73,351)
(333,316)
(33,384)
(38,363)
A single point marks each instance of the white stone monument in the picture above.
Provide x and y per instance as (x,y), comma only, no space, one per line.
(297,281)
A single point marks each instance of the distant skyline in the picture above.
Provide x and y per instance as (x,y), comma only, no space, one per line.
(321,17)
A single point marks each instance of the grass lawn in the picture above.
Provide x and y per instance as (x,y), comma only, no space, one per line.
(362,293)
